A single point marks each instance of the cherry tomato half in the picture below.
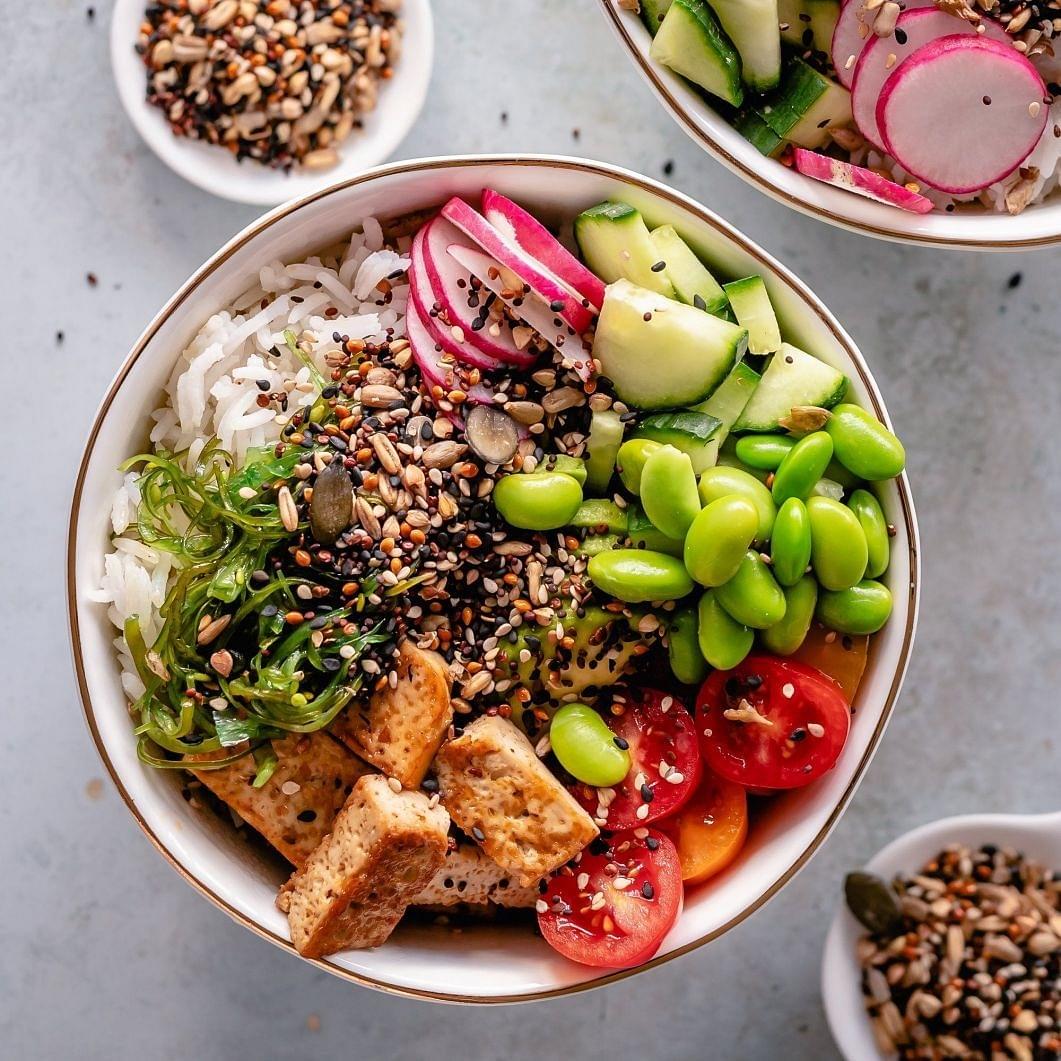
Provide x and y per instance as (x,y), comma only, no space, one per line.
(771,723)
(613,906)
(843,658)
(664,761)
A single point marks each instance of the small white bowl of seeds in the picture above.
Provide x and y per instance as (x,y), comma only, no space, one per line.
(261,101)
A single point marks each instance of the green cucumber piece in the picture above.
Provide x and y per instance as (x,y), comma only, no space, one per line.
(750,302)
(598,512)
(752,25)
(752,127)
(691,42)
(730,398)
(605,438)
(616,245)
(823,15)
(689,277)
(790,23)
(662,354)
(792,378)
(561,462)
(805,106)
(643,535)
(652,12)
(597,543)
(689,431)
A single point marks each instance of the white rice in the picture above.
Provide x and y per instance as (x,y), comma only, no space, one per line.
(212,392)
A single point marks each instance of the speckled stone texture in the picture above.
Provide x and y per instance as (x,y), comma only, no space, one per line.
(104,952)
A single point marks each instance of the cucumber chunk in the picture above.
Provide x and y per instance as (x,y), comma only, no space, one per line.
(792,378)
(729,400)
(689,277)
(805,106)
(752,26)
(662,354)
(643,535)
(599,512)
(689,431)
(752,127)
(605,438)
(615,242)
(751,304)
(652,12)
(808,23)
(691,42)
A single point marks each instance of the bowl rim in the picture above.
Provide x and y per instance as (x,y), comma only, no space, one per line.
(442,164)
(717,149)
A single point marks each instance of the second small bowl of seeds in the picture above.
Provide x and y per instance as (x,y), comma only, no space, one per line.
(261,101)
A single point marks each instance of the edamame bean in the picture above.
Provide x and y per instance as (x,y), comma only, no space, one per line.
(864,445)
(718,539)
(727,458)
(790,543)
(687,662)
(598,543)
(630,461)
(561,462)
(752,596)
(722,481)
(597,512)
(586,748)
(764,451)
(839,474)
(860,609)
(668,491)
(538,501)
(638,575)
(802,468)
(867,508)
(723,641)
(786,636)
(643,535)
(839,553)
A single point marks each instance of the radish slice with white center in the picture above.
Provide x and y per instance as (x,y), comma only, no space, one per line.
(882,55)
(574,308)
(963,112)
(527,232)
(525,304)
(854,31)
(859,180)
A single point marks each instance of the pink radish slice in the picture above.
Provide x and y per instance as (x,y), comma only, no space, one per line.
(528,307)
(461,332)
(859,180)
(854,30)
(882,55)
(528,233)
(963,112)
(550,287)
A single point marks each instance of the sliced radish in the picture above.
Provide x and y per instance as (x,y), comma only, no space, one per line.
(882,55)
(526,305)
(549,286)
(854,30)
(963,112)
(859,180)
(528,233)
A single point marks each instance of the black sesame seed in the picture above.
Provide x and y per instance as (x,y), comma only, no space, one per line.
(699,302)
(620,743)
(647,794)
(651,843)
(647,890)
(478,833)
(556,305)
(658,267)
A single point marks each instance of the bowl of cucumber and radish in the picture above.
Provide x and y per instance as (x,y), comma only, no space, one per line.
(838,108)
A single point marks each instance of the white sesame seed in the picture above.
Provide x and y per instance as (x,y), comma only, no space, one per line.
(598,901)
(219,703)
(667,703)
(642,812)
(641,833)
(621,883)
(347,652)
(541,906)
(675,777)
(289,788)
(788,690)
(395,784)
(815,729)
(582,880)
(247,492)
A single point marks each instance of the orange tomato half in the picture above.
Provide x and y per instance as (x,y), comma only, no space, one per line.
(710,829)
(841,656)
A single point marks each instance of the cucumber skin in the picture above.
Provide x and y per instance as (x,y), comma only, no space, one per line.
(683,262)
(594,236)
(735,17)
(652,12)
(751,126)
(742,378)
(717,43)
(777,405)
(750,294)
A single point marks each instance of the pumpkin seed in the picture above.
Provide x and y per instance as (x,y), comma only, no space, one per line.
(873,902)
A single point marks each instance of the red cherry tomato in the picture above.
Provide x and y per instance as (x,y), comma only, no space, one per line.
(664,761)
(771,723)
(612,907)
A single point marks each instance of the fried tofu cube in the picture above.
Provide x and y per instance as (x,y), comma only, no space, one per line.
(470,877)
(384,848)
(294,810)
(499,792)
(400,729)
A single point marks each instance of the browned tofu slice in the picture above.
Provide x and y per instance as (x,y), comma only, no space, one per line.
(400,729)
(495,787)
(383,850)
(294,810)
(470,877)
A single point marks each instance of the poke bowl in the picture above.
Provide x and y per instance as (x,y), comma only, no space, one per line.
(833,108)
(278,679)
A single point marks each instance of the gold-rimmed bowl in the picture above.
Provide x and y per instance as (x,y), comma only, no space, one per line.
(487,962)
(968,227)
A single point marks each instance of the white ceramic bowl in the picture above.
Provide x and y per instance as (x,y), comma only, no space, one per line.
(974,229)
(486,962)
(216,170)
(1038,836)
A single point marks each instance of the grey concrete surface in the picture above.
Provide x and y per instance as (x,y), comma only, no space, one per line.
(104,952)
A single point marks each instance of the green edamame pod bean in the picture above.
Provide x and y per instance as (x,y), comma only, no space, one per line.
(598,543)
(585,746)
(764,451)
(722,481)
(561,462)
(860,609)
(718,539)
(839,474)
(752,596)
(802,468)
(723,641)
(728,459)
(643,535)
(538,501)
(630,461)
(875,527)
(790,543)
(786,636)
(864,445)
(687,662)
(668,491)
(596,512)
(839,553)
(638,575)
